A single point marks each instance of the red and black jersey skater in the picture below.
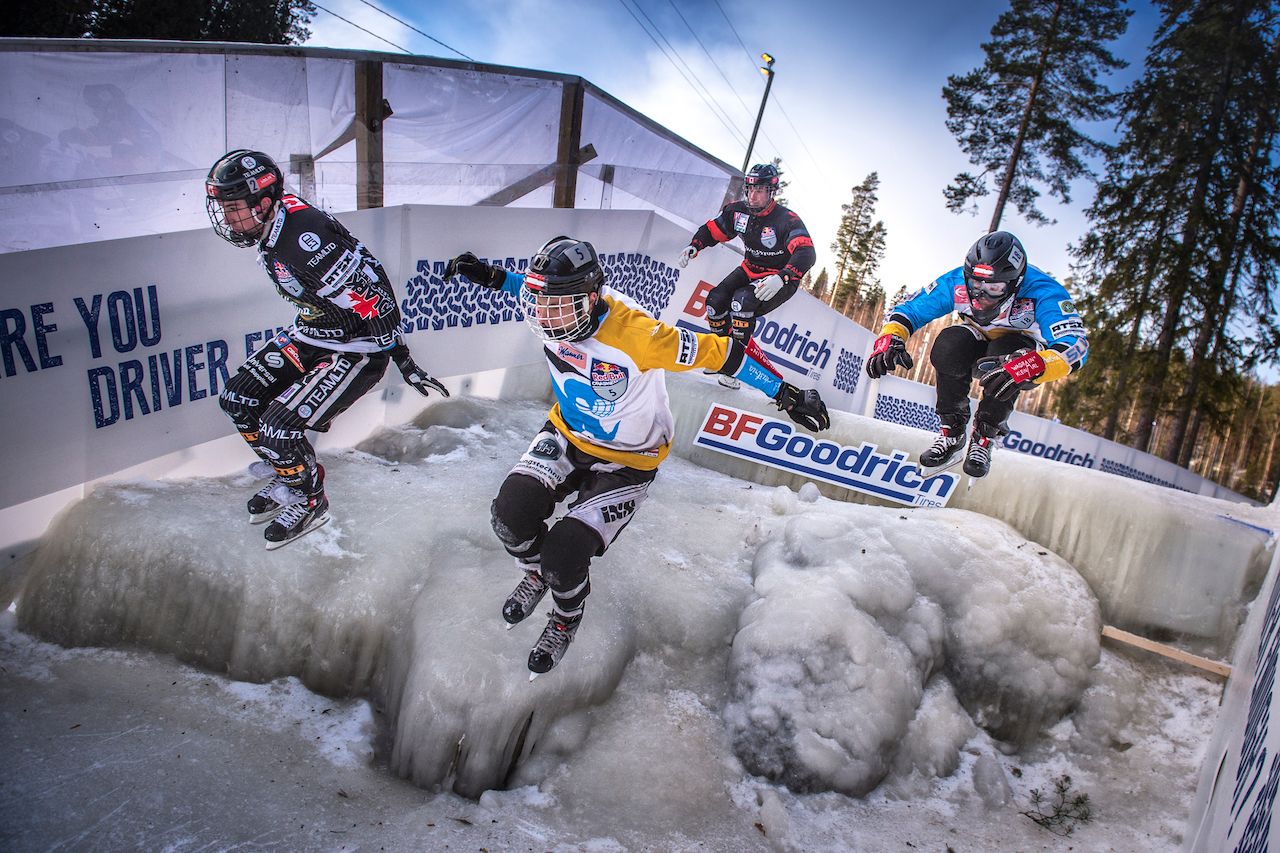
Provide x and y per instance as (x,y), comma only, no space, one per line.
(346,331)
(778,249)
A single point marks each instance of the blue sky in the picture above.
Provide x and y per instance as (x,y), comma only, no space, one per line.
(857,89)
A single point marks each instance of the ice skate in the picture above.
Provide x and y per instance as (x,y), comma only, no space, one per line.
(729,382)
(977,461)
(299,514)
(944,453)
(553,643)
(525,597)
(262,506)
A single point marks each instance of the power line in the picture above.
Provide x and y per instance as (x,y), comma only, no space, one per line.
(358,27)
(710,58)
(729,127)
(751,58)
(415,29)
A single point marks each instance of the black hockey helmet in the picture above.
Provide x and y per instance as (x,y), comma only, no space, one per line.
(993,270)
(557,294)
(762,175)
(241,174)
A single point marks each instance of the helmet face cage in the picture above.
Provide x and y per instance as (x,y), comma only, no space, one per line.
(239,175)
(993,271)
(556,295)
(764,175)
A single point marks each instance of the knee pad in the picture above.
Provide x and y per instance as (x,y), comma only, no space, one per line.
(567,552)
(518,515)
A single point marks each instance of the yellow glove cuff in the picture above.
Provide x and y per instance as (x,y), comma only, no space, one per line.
(895,329)
(1055,366)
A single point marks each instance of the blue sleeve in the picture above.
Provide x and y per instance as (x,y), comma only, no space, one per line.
(754,374)
(513,282)
(1059,321)
(937,299)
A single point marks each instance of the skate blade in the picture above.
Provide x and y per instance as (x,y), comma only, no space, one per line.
(265,517)
(926,473)
(314,525)
(533,675)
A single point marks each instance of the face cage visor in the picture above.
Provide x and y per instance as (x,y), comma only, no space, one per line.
(218,217)
(556,318)
(767,186)
(987,297)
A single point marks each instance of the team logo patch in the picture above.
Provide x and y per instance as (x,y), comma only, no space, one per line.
(740,221)
(1067,307)
(248,162)
(769,237)
(960,295)
(688,353)
(1071,326)
(309,241)
(928,288)
(546,448)
(608,380)
(572,355)
(1022,313)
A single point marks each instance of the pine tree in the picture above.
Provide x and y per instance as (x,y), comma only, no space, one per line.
(1014,115)
(257,21)
(1184,226)
(859,247)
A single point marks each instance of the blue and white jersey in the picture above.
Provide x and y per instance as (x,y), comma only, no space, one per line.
(1042,310)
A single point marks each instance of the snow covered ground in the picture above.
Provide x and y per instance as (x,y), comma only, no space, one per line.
(759,668)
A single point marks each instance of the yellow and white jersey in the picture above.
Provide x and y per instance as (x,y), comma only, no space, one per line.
(611,388)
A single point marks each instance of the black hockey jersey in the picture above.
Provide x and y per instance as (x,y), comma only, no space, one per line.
(344,298)
(774,239)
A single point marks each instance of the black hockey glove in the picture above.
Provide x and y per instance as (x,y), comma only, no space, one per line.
(469,266)
(890,351)
(421,381)
(1003,376)
(804,407)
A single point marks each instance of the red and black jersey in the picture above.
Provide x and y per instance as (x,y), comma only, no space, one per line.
(344,298)
(775,240)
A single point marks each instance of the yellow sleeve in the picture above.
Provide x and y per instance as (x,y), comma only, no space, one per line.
(670,348)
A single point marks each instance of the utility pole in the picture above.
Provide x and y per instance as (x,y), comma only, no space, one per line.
(767,70)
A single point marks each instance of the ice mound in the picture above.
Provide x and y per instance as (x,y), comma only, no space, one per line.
(854,617)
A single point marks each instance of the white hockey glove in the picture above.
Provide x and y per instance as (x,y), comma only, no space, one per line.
(687,255)
(768,287)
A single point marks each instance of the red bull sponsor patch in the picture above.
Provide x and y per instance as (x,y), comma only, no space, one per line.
(608,380)
(864,469)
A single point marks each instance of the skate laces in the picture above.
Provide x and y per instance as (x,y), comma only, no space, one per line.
(529,590)
(269,490)
(980,449)
(943,443)
(556,636)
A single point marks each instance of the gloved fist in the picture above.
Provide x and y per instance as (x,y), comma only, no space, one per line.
(1003,376)
(768,287)
(804,407)
(890,351)
(424,383)
(687,255)
(470,266)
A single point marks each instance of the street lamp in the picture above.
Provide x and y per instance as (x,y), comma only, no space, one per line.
(767,71)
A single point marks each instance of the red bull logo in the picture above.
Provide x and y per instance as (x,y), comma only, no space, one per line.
(608,380)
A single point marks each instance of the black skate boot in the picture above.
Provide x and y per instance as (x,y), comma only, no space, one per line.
(262,506)
(526,596)
(944,448)
(553,643)
(300,513)
(982,441)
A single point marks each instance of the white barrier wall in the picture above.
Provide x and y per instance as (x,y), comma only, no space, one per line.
(113,353)
(1235,799)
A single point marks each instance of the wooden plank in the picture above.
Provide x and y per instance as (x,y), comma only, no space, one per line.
(1206,664)
(540,178)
